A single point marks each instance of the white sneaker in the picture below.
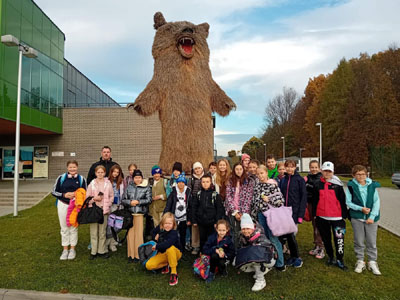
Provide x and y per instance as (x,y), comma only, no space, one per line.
(113,248)
(258,285)
(360,266)
(71,254)
(373,266)
(64,255)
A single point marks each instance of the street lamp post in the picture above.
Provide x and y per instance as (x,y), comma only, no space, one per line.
(12,41)
(265,153)
(283,147)
(301,160)
(320,142)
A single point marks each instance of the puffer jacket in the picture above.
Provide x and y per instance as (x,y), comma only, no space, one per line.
(142,193)
(105,187)
(207,207)
(257,238)
(269,189)
(293,188)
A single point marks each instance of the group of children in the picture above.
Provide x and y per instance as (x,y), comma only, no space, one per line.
(218,212)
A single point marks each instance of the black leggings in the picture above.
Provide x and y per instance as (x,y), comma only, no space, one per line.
(338,228)
(216,261)
(182,233)
(292,243)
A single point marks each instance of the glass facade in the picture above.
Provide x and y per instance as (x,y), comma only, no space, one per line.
(79,91)
(42,77)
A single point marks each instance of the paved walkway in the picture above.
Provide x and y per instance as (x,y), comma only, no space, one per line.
(40,188)
(34,295)
(390,209)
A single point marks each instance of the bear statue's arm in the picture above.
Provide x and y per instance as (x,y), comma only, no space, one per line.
(148,101)
(220,102)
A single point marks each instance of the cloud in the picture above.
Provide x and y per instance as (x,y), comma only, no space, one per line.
(110,42)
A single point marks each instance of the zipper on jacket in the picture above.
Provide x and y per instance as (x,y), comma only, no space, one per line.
(287,190)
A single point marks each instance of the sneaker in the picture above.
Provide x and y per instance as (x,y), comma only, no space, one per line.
(188,248)
(64,255)
(71,254)
(135,260)
(89,246)
(130,260)
(331,261)
(258,285)
(210,277)
(314,251)
(320,254)
(165,270)
(104,255)
(92,256)
(298,262)
(340,264)
(290,261)
(113,248)
(360,266)
(173,279)
(196,251)
(373,266)
(281,269)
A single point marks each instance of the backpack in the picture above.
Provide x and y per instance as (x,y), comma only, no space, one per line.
(62,179)
(214,196)
(146,252)
(201,266)
(119,220)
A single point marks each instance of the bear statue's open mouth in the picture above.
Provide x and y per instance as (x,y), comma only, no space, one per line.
(185,45)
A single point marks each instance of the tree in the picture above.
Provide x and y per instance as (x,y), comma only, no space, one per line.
(281,107)
(252,145)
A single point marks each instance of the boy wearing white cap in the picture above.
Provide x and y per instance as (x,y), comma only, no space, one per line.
(329,207)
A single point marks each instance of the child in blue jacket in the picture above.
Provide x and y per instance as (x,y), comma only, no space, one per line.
(220,248)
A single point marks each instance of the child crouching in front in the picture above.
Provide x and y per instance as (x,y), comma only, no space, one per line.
(252,235)
(220,248)
(168,247)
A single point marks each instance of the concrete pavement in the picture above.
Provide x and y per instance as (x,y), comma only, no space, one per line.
(6,294)
(30,193)
(390,209)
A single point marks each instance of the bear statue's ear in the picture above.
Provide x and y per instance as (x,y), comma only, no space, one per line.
(204,27)
(159,20)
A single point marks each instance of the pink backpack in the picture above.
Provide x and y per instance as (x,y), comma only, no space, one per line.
(279,220)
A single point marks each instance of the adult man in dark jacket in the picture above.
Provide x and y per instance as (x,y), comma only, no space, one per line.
(105,160)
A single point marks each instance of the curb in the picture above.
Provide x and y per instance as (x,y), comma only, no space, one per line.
(10,294)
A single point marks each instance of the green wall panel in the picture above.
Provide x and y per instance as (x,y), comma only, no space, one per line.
(37,18)
(27,10)
(13,20)
(26,31)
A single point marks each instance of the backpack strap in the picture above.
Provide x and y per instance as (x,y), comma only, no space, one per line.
(62,179)
(116,237)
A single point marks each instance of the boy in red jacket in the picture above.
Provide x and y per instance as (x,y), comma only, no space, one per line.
(329,207)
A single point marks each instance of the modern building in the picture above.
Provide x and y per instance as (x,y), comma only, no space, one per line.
(49,85)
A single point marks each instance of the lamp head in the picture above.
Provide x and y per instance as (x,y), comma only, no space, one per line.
(9,40)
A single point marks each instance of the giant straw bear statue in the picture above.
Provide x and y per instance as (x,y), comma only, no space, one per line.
(184,93)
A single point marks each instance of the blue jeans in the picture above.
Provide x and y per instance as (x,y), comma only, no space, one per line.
(274,240)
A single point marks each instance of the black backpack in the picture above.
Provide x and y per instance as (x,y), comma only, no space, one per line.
(119,220)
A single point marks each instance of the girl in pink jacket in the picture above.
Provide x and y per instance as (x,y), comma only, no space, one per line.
(103,195)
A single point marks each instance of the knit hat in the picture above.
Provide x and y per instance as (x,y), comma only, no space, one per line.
(246,222)
(177,166)
(197,165)
(244,156)
(137,172)
(327,166)
(156,170)
(181,178)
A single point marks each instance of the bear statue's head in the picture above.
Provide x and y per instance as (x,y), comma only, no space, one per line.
(183,39)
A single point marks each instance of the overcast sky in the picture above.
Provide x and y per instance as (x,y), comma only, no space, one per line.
(257,46)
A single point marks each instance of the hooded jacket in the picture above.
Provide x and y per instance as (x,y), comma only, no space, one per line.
(166,239)
(105,187)
(141,193)
(207,207)
(105,163)
(213,244)
(329,199)
(359,196)
(173,199)
(294,192)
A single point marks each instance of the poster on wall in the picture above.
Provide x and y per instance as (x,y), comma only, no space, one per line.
(8,163)
(41,162)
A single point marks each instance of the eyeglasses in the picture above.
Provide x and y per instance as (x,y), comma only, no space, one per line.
(361,174)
